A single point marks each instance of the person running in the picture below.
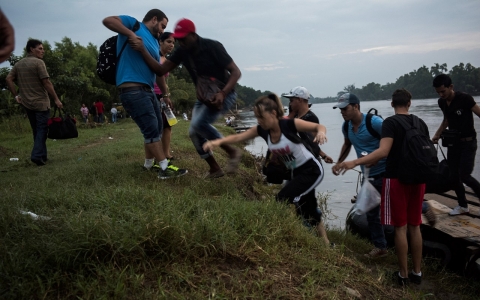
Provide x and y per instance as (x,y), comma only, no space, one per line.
(135,83)
(307,171)
(401,204)
(203,58)
(458,109)
(359,136)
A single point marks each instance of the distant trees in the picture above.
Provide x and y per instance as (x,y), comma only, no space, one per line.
(72,70)
(465,78)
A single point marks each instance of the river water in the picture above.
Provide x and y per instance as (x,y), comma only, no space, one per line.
(342,188)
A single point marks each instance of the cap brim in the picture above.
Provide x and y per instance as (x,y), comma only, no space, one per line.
(179,35)
(340,105)
(289,96)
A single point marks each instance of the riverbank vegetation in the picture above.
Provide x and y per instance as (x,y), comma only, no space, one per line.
(114,231)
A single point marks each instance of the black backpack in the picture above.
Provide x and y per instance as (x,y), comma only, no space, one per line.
(368,123)
(107,58)
(418,161)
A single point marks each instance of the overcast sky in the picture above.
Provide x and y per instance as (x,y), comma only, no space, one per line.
(323,45)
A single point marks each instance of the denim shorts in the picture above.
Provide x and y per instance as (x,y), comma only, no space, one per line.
(143,107)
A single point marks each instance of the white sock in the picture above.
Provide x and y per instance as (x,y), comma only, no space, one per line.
(149,162)
(164,164)
(419,274)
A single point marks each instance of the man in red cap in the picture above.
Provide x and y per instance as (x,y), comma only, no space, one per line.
(203,58)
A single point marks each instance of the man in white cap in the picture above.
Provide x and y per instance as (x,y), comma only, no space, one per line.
(299,106)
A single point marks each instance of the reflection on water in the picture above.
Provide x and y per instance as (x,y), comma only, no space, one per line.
(342,188)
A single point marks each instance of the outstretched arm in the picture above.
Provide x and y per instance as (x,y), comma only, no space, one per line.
(231,139)
(347,145)
(154,65)
(372,158)
(319,130)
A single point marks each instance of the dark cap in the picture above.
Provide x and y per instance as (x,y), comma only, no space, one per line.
(346,99)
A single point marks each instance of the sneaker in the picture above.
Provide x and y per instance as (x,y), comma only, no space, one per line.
(38,162)
(400,280)
(459,210)
(417,279)
(171,172)
(430,215)
(376,253)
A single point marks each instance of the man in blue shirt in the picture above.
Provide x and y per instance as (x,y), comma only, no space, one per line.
(362,140)
(135,84)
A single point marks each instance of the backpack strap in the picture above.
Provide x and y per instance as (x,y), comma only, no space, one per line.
(368,123)
(290,131)
(134,29)
(345,127)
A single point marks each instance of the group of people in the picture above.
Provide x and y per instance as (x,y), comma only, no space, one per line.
(142,65)
(144,93)
(97,111)
(378,145)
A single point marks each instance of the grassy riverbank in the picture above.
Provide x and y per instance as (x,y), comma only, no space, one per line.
(117,232)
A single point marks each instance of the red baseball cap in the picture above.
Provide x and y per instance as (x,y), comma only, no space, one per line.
(183,27)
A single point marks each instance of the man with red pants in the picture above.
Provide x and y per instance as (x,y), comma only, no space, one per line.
(401,204)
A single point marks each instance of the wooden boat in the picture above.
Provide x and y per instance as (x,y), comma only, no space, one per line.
(454,241)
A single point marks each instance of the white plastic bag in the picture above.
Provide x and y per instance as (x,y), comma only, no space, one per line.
(368,197)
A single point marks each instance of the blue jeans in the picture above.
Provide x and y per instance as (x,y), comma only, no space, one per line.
(143,107)
(114,118)
(377,235)
(461,160)
(38,122)
(201,128)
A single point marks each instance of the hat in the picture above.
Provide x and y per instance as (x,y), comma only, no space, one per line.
(346,99)
(298,91)
(183,27)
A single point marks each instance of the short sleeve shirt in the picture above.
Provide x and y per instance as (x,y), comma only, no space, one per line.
(459,113)
(131,66)
(393,129)
(362,140)
(28,74)
(209,58)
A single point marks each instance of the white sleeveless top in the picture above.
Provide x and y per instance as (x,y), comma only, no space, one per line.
(293,155)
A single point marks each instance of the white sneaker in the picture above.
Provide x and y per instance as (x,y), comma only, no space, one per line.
(459,210)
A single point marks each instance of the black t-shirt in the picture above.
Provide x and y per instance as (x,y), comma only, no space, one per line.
(310,117)
(393,129)
(459,113)
(209,58)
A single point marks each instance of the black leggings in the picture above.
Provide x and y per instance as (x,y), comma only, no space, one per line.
(300,191)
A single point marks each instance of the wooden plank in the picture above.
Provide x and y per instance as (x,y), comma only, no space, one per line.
(451,203)
(463,226)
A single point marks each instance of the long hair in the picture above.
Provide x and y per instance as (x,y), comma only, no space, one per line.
(269,103)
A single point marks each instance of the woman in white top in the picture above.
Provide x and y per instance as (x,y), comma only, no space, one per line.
(307,171)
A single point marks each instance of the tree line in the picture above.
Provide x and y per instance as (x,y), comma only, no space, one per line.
(465,77)
(72,70)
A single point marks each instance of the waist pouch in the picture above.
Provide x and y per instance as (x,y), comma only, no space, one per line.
(450,137)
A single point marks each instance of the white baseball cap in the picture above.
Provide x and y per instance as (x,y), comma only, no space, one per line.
(298,91)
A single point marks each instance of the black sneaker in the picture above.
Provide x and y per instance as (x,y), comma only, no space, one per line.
(400,280)
(171,172)
(38,162)
(417,279)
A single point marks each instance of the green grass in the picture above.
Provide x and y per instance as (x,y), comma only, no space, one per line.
(117,232)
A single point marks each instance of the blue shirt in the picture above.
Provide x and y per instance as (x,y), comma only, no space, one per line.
(362,140)
(132,67)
